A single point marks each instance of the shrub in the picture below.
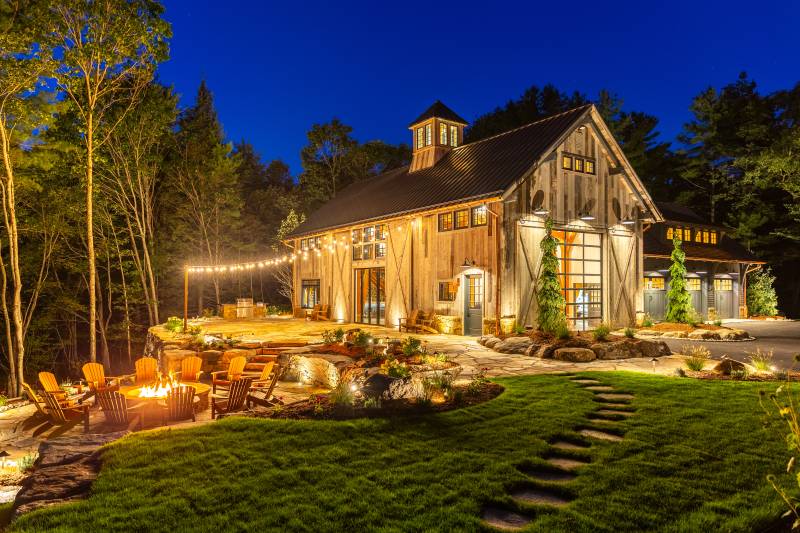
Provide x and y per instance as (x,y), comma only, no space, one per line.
(784,405)
(518,329)
(174,324)
(329,337)
(600,333)
(411,346)
(761,296)
(477,382)
(551,298)
(26,462)
(194,330)
(647,321)
(338,335)
(717,322)
(362,339)
(630,332)
(429,388)
(679,302)
(742,374)
(446,379)
(372,403)
(563,333)
(696,357)
(395,369)
(761,359)
(342,395)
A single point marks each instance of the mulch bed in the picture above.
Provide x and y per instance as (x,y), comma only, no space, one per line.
(676,326)
(540,337)
(307,409)
(761,376)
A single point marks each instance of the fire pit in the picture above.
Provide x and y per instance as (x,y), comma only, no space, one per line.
(158,390)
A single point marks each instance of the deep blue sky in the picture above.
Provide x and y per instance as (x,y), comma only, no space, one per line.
(275,68)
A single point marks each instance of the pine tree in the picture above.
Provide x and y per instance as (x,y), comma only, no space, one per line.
(679,306)
(761,297)
(551,300)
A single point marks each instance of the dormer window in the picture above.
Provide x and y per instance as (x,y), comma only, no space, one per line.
(443,134)
(428,132)
(434,133)
(453,136)
(420,138)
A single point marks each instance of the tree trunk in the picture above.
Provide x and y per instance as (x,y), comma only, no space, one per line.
(90,237)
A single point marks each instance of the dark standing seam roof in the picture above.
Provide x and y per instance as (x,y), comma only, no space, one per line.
(439,110)
(481,169)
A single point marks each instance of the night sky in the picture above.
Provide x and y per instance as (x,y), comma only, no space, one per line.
(275,68)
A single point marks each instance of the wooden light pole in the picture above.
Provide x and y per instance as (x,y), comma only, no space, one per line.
(185,299)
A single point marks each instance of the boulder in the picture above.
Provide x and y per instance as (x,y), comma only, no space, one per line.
(703,334)
(649,333)
(726,366)
(531,350)
(733,334)
(492,342)
(404,388)
(249,345)
(64,471)
(674,334)
(615,350)
(483,338)
(171,359)
(323,370)
(575,355)
(376,385)
(227,355)
(650,349)
(513,345)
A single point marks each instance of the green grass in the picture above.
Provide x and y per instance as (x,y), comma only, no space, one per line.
(694,458)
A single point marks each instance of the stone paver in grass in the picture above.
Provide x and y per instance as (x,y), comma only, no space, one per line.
(614,412)
(564,445)
(552,476)
(539,497)
(566,463)
(504,518)
(600,388)
(610,405)
(614,397)
(586,381)
(601,435)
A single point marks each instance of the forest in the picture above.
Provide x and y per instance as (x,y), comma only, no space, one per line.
(109,187)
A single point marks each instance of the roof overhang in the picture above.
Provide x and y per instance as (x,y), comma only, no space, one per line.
(707,259)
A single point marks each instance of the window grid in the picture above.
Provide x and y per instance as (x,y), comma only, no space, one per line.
(580,277)
(363,249)
(462,218)
(447,291)
(723,284)
(309,293)
(653,283)
(479,215)
(453,136)
(443,134)
(445,221)
(693,284)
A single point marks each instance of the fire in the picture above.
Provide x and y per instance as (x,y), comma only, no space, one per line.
(160,388)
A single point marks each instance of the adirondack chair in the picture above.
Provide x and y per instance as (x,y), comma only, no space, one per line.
(50,384)
(179,404)
(190,368)
(235,401)
(410,323)
(261,389)
(427,324)
(315,312)
(60,414)
(117,411)
(97,380)
(224,378)
(145,370)
(35,399)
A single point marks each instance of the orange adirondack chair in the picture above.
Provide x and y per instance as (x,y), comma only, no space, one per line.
(179,404)
(97,380)
(60,414)
(190,368)
(224,378)
(235,401)
(117,411)
(261,389)
(146,370)
(35,399)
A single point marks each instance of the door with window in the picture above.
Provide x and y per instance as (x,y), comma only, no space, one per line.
(473,304)
(655,301)
(580,275)
(370,295)
(723,297)
(695,286)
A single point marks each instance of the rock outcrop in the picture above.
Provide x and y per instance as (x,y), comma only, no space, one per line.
(575,355)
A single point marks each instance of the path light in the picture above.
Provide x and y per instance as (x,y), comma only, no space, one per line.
(653,360)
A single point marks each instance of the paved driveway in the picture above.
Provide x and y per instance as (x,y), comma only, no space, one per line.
(782,337)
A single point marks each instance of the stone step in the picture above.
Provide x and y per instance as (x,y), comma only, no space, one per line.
(615,412)
(614,397)
(539,497)
(504,518)
(552,476)
(565,445)
(600,388)
(603,418)
(600,435)
(566,463)
(607,405)
(586,381)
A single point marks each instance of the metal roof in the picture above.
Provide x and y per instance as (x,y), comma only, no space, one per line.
(473,171)
(439,110)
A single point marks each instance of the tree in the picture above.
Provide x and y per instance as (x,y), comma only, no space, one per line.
(679,305)
(283,272)
(762,300)
(550,298)
(107,52)
(325,161)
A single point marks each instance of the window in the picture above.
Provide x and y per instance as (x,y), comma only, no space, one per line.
(713,237)
(368,234)
(356,253)
(462,218)
(303,245)
(687,234)
(453,136)
(380,232)
(566,162)
(693,284)
(698,236)
(366,251)
(479,215)
(654,283)
(705,237)
(580,277)
(380,250)
(362,239)
(588,167)
(420,138)
(475,292)
(723,284)
(312,243)
(445,221)
(428,130)
(443,134)
(447,291)
(578,165)
(356,236)
(309,293)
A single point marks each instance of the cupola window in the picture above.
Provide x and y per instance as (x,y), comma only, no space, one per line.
(453,136)
(443,134)
(420,138)
(428,132)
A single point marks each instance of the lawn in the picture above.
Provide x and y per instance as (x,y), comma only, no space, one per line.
(694,458)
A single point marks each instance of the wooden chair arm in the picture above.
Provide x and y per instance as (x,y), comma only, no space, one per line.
(216,373)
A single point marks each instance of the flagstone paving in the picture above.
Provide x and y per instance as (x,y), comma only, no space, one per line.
(538,497)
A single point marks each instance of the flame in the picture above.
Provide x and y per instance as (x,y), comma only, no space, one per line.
(160,388)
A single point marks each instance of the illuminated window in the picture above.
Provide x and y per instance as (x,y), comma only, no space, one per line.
(380,250)
(303,245)
(380,232)
(589,167)
(705,237)
(366,251)
(687,234)
(462,218)
(443,134)
(356,253)
(420,139)
(723,284)
(693,284)
(447,291)
(654,283)
(428,132)
(453,136)
(698,236)
(566,162)
(670,234)
(317,242)
(578,165)
(479,215)
(713,237)
(369,233)
(309,293)
(356,236)
(445,221)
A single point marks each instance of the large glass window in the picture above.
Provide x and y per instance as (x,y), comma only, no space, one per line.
(420,138)
(580,275)
(363,238)
(723,284)
(428,134)
(462,218)
(309,293)
(445,221)
(370,295)
(693,284)
(479,215)
(654,283)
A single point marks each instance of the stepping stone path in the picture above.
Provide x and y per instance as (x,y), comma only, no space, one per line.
(614,405)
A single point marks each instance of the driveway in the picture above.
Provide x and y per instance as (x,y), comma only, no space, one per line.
(782,337)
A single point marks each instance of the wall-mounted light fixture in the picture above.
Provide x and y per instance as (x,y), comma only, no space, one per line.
(586,216)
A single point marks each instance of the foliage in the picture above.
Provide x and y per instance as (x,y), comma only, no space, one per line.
(477,382)
(362,339)
(601,332)
(329,337)
(445,466)
(518,329)
(342,394)
(696,356)
(3,400)
(647,321)
(761,359)
(563,332)
(395,369)
(27,461)
(174,324)
(550,298)
(630,332)
(411,346)
(428,388)
(762,300)
(717,322)
(679,304)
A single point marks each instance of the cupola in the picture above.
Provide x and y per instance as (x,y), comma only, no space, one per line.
(434,133)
